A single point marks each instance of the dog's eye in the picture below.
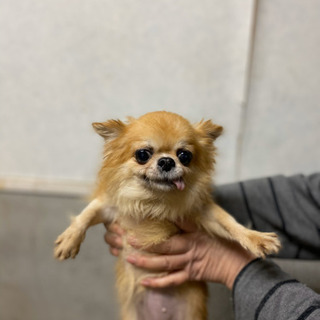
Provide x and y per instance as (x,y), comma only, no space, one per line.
(184,156)
(143,155)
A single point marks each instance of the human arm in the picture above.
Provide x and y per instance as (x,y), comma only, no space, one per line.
(261,290)
(289,206)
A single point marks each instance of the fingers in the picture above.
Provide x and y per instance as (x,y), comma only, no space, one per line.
(113,238)
(176,245)
(115,228)
(114,251)
(172,279)
(159,263)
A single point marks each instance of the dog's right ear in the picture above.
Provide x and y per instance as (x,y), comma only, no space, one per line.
(110,129)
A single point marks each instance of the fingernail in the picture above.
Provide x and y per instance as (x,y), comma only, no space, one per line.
(115,252)
(145,282)
(133,241)
(132,259)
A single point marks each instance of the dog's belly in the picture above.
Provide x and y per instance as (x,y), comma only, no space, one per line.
(161,304)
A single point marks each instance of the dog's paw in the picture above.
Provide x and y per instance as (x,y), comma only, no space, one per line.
(68,243)
(261,243)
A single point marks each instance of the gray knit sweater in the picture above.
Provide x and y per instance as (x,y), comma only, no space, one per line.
(291,207)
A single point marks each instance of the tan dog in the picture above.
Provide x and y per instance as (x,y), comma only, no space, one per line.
(158,169)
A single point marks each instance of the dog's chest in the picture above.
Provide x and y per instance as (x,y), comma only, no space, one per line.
(148,232)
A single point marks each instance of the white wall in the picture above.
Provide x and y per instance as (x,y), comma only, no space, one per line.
(65,64)
(282,131)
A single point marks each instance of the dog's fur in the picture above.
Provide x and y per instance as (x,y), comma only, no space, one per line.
(147,201)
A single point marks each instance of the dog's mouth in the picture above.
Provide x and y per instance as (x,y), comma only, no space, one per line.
(165,184)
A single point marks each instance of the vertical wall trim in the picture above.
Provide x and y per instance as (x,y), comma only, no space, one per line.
(246,90)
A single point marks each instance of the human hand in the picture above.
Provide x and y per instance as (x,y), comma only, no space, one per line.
(190,256)
(113,237)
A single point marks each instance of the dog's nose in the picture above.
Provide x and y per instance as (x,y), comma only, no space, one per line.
(166,164)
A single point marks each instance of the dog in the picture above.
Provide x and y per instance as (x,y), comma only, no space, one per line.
(156,170)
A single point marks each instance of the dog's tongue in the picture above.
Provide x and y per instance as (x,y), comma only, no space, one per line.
(179,183)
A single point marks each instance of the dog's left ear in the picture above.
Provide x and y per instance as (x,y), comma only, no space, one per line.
(110,129)
(208,129)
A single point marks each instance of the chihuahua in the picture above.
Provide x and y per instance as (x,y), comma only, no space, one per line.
(157,170)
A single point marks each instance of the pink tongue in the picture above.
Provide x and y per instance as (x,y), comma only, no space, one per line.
(179,184)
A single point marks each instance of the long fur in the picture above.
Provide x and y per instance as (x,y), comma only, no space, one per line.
(147,204)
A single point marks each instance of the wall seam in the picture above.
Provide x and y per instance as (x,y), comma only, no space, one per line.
(246,92)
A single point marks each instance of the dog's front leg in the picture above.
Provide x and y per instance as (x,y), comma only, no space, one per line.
(218,222)
(68,243)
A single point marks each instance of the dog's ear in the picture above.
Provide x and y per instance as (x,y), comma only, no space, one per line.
(207,129)
(110,129)
(130,119)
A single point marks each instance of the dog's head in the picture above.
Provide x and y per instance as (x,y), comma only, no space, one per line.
(160,151)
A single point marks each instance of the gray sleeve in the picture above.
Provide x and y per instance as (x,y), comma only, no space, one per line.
(262,291)
(289,206)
